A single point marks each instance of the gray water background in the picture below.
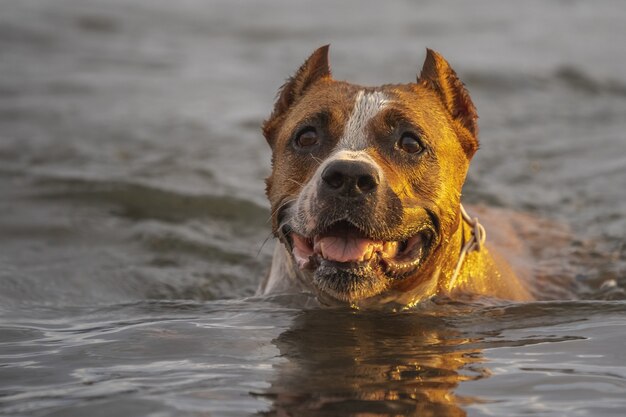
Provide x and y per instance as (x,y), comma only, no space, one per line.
(133,219)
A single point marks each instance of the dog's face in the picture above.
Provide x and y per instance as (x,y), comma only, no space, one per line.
(366,182)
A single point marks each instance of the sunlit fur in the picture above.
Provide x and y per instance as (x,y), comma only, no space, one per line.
(416,191)
(366,106)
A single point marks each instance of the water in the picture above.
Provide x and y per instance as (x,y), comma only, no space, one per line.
(133,220)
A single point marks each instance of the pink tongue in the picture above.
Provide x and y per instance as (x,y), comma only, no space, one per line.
(344,249)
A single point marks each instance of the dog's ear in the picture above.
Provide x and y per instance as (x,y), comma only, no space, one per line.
(439,76)
(314,68)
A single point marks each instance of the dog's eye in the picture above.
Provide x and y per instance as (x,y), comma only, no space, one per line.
(307,137)
(410,143)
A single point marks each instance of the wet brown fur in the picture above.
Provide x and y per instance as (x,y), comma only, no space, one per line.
(440,105)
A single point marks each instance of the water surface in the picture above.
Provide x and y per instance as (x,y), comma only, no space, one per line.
(133,224)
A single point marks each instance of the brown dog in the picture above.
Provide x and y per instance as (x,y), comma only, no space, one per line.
(365,190)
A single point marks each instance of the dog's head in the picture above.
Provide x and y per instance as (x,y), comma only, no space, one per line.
(366,182)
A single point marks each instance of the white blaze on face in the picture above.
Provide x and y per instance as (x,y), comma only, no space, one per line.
(366,106)
(352,146)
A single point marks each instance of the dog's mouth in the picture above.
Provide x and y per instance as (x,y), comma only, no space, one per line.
(350,265)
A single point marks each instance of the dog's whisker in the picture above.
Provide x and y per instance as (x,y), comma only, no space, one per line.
(269,236)
(295,182)
(316,159)
(283,204)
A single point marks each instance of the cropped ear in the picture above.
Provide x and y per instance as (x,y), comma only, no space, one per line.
(314,68)
(439,76)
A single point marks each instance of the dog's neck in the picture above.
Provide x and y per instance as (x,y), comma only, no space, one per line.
(436,275)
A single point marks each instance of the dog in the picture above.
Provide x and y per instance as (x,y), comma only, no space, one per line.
(365,191)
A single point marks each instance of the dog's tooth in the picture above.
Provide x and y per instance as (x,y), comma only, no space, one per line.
(367,255)
(317,247)
(320,245)
(390,249)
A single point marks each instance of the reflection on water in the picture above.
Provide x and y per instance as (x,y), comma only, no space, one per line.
(343,362)
(353,363)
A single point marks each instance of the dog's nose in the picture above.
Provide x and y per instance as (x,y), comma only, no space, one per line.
(350,178)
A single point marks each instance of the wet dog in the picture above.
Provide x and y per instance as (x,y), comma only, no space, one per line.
(365,190)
